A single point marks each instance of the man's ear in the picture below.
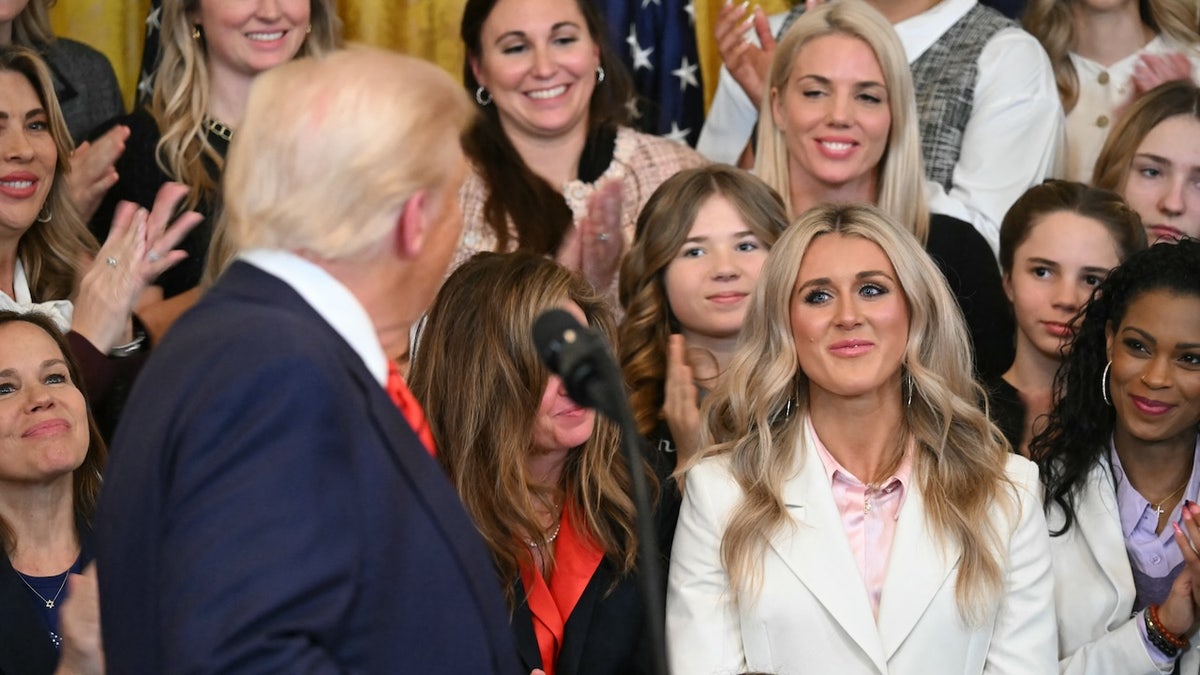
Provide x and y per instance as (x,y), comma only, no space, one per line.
(412,225)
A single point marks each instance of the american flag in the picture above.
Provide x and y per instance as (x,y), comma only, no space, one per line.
(657,41)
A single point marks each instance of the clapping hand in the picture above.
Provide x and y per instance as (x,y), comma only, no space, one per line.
(1180,611)
(1152,70)
(595,245)
(747,62)
(140,246)
(82,652)
(93,170)
(681,401)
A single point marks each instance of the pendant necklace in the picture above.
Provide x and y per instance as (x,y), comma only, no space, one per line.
(51,601)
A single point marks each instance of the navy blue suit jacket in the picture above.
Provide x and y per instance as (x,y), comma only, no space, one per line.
(267,509)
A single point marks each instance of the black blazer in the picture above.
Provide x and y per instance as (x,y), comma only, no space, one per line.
(605,634)
(267,509)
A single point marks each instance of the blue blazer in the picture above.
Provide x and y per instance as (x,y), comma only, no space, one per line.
(266,509)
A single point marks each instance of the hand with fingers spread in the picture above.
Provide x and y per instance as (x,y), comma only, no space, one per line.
(92,170)
(81,652)
(681,401)
(747,62)
(140,246)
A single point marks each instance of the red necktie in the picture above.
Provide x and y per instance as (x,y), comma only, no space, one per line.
(403,397)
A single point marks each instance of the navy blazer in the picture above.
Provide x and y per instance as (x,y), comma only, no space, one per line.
(266,509)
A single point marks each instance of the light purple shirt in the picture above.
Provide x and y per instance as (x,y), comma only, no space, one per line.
(1154,554)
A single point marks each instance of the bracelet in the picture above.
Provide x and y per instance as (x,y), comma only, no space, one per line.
(1168,642)
(129,348)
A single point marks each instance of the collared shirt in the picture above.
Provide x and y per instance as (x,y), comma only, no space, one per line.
(1102,91)
(1014,139)
(869,514)
(329,299)
(1154,555)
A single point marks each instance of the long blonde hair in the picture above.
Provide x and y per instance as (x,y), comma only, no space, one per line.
(1051,23)
(479,378)
(901,169)
(179,103)
(56,244)
(757,415)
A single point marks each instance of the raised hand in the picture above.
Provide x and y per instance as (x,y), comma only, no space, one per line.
(92,170)
(681,401)
(747,62)
(82,652)
(140,246)
(1152,70)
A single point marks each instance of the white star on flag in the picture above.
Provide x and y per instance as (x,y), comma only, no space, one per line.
(686,72)
(676,134)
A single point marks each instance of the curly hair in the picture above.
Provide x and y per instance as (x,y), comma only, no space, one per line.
(478,376)
(86,479)
(1050,21)
(52,249)
(960,456)
(179,103)
(1080,426)
(1054,196)
(516,194)
(662,228)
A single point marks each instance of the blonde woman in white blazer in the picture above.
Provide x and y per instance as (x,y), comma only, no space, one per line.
(1121,460)
(854,365)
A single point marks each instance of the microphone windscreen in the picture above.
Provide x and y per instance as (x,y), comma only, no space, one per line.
(551,330)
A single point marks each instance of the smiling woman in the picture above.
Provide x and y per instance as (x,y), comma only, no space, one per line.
(854,508)
(51,456)
(556,171)
(1121,460)
(539,475)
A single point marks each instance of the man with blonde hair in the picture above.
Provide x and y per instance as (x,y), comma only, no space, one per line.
(268,508)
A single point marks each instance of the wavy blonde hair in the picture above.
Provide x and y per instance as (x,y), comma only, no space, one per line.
(179,103)
(479,378)
(901,169)
(1161,103)
(662,228)
(51,251)
(960,457)
(1051,23)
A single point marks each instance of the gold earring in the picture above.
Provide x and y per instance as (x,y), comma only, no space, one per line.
(196,32)
(308,30)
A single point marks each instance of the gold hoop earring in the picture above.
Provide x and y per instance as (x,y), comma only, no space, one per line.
(44,215)
(196,32)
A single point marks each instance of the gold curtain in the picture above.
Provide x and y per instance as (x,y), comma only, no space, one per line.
(426,28)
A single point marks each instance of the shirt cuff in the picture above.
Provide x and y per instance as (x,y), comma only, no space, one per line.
(1164,663)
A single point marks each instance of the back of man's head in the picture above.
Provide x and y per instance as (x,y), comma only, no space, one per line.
(331,149)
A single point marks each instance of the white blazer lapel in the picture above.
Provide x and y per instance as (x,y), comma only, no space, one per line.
(817,551)
(918,568)
(1099,522)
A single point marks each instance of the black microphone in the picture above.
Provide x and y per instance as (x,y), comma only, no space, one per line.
(579,356)
(590,374)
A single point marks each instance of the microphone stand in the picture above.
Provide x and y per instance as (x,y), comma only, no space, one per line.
(611,402)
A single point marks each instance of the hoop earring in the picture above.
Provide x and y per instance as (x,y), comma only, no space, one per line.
(195,31)
(480,93)
(308,29)
(599,74)
(908,386)
(1104,383)
(44,215)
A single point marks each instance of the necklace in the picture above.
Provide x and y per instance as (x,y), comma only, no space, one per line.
(219,129)
(51,601)
(549,540)
(1158,508)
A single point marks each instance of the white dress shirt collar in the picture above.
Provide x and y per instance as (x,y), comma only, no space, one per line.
(919,32)
(328,298)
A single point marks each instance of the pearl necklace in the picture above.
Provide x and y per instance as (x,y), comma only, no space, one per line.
(549,540)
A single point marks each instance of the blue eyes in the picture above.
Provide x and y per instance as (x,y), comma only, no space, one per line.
(821,296)
(50,379)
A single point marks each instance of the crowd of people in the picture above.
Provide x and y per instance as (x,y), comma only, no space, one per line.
(916,388)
